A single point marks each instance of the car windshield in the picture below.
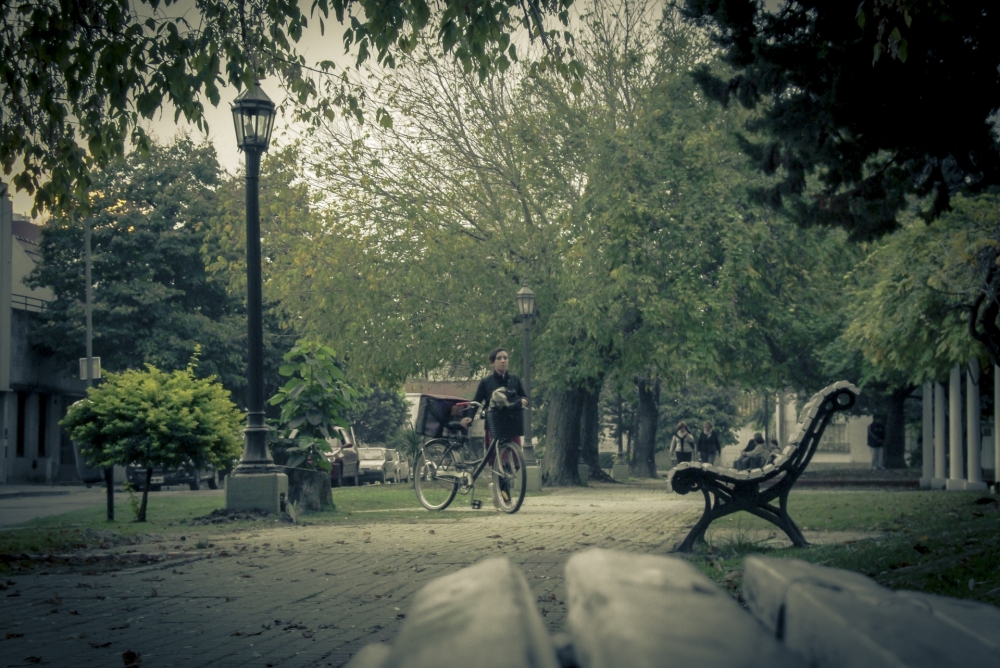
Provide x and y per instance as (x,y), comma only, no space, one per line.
(371,453)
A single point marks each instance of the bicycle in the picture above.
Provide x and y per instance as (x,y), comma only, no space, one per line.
(444,469)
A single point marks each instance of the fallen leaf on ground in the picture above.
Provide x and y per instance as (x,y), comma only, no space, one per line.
(99,645)
(33,659)
(131,659)
(496,535)
(11,636)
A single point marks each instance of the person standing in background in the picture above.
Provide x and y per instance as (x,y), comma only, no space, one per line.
(682,444)
(876,441)
(709,447)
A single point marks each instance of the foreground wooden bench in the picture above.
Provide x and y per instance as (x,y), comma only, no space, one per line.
(728,491)
(637,610)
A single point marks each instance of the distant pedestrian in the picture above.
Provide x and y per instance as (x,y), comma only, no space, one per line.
(709,447)
(876,441)
(682,444)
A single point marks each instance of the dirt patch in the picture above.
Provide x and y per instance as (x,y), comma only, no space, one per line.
(226,516)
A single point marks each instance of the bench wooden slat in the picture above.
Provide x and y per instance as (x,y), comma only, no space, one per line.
(642,610)
(840,619)
(484,611)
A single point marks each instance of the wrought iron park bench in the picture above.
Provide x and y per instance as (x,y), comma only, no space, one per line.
(728,491)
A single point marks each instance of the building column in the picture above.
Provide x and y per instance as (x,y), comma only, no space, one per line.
(781,434)
(974,430)
(956,468)
(927,442)
(996,423)
(940,432)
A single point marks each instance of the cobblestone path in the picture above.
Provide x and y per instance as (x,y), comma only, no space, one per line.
(314,595)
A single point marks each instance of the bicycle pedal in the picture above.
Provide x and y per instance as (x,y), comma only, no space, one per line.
(476,504)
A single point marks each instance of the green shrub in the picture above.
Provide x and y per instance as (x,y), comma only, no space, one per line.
(607,459)
(152,419)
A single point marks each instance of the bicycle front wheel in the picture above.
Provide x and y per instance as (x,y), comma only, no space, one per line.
(434,476)
(510,477)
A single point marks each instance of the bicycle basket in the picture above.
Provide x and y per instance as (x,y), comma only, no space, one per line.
(506,422)
(434,413)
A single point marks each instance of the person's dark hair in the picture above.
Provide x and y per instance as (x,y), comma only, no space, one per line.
(758,437)
(494,353)
(682,425)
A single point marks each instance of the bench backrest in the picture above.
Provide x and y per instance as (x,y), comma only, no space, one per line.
(802,443)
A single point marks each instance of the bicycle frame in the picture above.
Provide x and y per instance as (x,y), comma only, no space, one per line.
(479,468)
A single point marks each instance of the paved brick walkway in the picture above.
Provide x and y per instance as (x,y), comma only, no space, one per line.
(314,595)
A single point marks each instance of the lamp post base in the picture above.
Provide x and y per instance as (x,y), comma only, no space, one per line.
(257,491)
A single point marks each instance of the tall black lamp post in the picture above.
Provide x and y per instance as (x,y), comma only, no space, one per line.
(526,308)
(253,116)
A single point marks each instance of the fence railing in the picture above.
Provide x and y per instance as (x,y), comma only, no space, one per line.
(28,303)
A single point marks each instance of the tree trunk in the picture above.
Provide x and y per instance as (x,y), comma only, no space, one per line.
(141,517)
(590,433)
(562,439)
(643,464)
(620,426)
(895,425)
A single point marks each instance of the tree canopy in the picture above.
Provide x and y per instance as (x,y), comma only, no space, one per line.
(863,105)
(77,77)
(154,301)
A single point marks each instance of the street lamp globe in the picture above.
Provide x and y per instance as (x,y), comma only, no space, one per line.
(525,302)
(253,117)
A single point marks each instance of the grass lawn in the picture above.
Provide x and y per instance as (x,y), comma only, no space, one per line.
(170,516)
(939,542)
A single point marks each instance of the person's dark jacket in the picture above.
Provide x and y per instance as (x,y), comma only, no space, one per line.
(876,435)
(709,443)
(490,384)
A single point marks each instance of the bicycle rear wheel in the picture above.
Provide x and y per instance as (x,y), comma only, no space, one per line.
(434,476)
(510,477)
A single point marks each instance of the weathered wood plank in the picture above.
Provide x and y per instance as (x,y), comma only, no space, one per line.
(642,610)
(483,615)
(840,619)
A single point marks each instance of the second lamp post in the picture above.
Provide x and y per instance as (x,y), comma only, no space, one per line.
(526,308)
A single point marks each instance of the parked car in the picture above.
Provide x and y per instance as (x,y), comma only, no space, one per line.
(402,466)
(377,465)
(343,458)
(193,478)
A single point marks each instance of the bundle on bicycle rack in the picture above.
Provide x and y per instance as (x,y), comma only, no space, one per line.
(434,412)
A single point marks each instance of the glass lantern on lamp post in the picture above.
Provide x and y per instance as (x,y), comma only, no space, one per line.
(526,309)
(253,117)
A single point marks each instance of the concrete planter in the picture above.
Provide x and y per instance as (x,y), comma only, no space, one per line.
(309,490)
(619,472)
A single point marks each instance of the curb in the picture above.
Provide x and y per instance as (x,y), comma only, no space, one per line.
(859,482)
(15,495)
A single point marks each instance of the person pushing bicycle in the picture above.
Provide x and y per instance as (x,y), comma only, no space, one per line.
(500,378)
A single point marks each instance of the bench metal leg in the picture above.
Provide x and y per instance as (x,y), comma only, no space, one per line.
(742,500)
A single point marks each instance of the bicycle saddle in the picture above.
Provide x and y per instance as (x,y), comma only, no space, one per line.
(455,426)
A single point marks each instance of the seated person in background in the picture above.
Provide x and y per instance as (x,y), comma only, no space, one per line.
(755,455)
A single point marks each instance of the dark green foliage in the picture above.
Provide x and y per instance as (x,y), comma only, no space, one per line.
(378,415)
(154,301)
(862,105)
